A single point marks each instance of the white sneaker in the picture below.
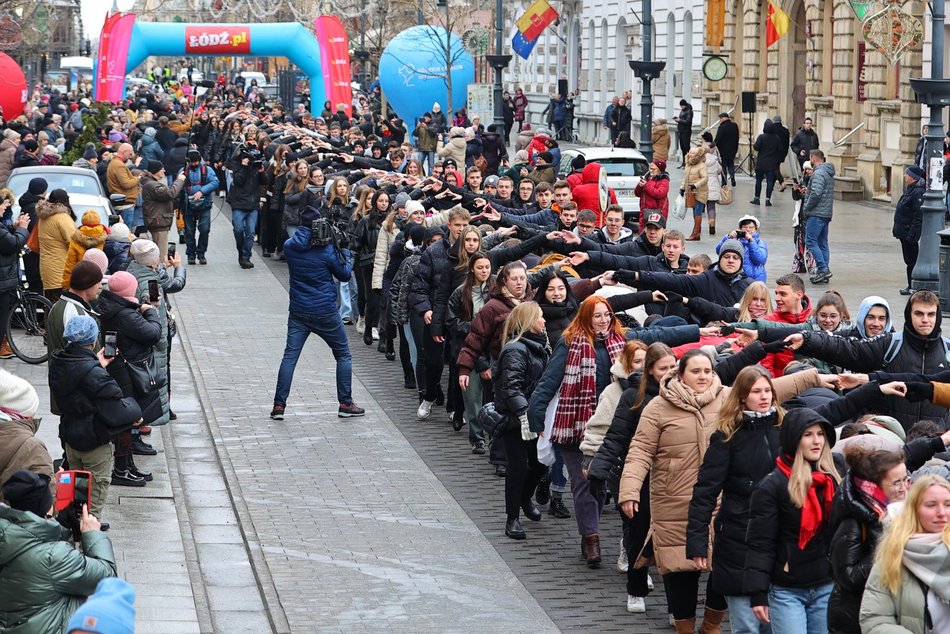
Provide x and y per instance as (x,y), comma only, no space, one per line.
(672,621)
(451,416)
(360,325)
(622,564)
(649,582)
(425,409)
(375,334)
(636,605)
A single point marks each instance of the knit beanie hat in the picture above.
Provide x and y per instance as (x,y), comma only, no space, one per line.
(97,257)
(17,394)
(38,186)
(124,284)
(413,206)
(914,171)
(417,235)
(30,145)
(145,252)
(28,491)
(82,330)
(578,162)
(90,219)
(402,198)
(109,611)
(85,275)
(90,154)
(119,232)
(547,157)
(154,167)
(731,245)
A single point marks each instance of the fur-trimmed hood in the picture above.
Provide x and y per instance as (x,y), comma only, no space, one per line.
(89,237)
(45,209)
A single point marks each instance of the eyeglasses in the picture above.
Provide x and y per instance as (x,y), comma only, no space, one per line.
(586,226)
(901,484)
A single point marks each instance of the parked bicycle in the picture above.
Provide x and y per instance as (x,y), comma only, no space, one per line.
(26,323)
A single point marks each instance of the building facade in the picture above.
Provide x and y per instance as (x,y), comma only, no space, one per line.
(590,48)
(822,68)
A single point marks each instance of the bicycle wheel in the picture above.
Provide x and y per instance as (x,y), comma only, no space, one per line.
(26,328)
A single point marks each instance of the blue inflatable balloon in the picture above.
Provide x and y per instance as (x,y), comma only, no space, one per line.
(412,72)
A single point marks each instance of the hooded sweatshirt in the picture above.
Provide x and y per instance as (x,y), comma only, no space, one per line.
(866,305)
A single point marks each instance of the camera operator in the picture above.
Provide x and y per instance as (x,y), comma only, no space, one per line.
(44,578)
(756,252)
(244,196)
(316,255)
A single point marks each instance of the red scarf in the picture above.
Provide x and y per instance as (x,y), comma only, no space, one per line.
(814,511)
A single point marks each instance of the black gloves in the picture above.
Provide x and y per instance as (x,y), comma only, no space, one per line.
(775,346)
(919,391)
(673,298)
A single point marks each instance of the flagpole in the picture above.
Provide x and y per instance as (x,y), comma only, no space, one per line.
(647,70)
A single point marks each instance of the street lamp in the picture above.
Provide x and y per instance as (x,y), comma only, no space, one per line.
(647,70)
(935,92)
(499,62)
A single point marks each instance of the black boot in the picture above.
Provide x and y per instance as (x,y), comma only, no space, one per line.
(513,530)
(126,479)
(531,511)
(557,509)
(142,448)
(543,493)
(141,473)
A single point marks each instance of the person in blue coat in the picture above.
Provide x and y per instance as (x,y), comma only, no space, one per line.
(315,260)
(756,252)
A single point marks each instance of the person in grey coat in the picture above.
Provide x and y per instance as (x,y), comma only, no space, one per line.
(817,210)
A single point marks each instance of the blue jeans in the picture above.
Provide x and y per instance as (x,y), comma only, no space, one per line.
(742,619)
(427,159)
(558,473)
(244,224)
(699,209)
(816,241)
(346,298)
(199,219)
(472,398)
(328,327)
(799,610)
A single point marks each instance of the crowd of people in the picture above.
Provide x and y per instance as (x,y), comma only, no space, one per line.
(796,453)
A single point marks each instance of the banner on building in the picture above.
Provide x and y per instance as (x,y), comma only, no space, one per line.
(335,61)
(716,23)
(530,27)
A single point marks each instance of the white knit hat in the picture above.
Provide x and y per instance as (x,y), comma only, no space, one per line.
(17,394)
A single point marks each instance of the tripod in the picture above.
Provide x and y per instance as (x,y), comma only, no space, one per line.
(748,157)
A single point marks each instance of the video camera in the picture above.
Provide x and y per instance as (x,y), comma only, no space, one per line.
(249,150)
(324,233)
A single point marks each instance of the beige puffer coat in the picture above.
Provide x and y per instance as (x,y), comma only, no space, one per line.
(669,445)
(696,174)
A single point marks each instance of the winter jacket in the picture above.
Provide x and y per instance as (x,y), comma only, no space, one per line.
(525,137)
(201,179)
(454,149)
(55,236)
(365,239)
(858,531)
(457,323)
(654,197)
(427,137)
(684,123)
(485,334)
(883,612)
(158,201)
(313,274)
(28,204)
(44,578)
(713,285)
(756,253)
(550,383)
(520,103)
(92,405)
(917,354)
(783,139)
(769,148)
(83,239)
(493,149)
(599,423)
(713,177)
(606,464)
(908,214)
(20,448)
(384,243)
(433,265)
(727,140)
(400,288)
(544,173)
(473,149)
(660,135)
(245,191)
(150,150)
(620,119)
(773,555)
(804,140)
(295,203)
(695,174)
(669,445)
(585,190)
(519,369)
(120,180)
(22,158)
(7,156)
(118,254)
(11,243)
(821,188)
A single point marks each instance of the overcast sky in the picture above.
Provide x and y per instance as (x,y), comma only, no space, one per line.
(94,14)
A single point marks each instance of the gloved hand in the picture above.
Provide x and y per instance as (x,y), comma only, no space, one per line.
(673,298)
(775,346)
(526,433)
(919,391)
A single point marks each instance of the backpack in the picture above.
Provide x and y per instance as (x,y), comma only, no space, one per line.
(897,340)
(202,180)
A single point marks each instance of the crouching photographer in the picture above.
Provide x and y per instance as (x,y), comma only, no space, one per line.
(44,578)
(244,196)
(316,255)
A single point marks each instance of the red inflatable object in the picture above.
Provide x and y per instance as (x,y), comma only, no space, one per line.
(12,87)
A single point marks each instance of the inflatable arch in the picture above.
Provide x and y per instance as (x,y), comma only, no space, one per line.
(126,43)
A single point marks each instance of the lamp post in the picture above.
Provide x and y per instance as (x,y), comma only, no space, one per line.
(499,62)
(647,70)
(935,92)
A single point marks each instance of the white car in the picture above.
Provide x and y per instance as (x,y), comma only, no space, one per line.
(85,191)
(624,169)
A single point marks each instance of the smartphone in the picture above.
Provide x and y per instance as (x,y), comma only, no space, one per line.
(172,247)
(73,487)
(109,350)
(153,291)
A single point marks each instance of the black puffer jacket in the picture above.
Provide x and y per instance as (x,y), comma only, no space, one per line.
(852,555)
(458,324)
(433,265)
(92,405)
(713,285)
(294,204)
(11,242)
(769,148)
(245,192)
(520,367)
(176,157)
(773,555)
(919,355)
(365,238)
(908,214)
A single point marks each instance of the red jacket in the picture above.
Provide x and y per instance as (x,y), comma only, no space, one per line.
(653,197)
(775,362)
(537,145)
(585,190)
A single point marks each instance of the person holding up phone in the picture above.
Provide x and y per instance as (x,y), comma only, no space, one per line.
(45,579)
(158,199)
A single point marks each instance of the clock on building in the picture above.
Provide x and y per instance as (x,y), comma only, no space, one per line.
(715,68)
